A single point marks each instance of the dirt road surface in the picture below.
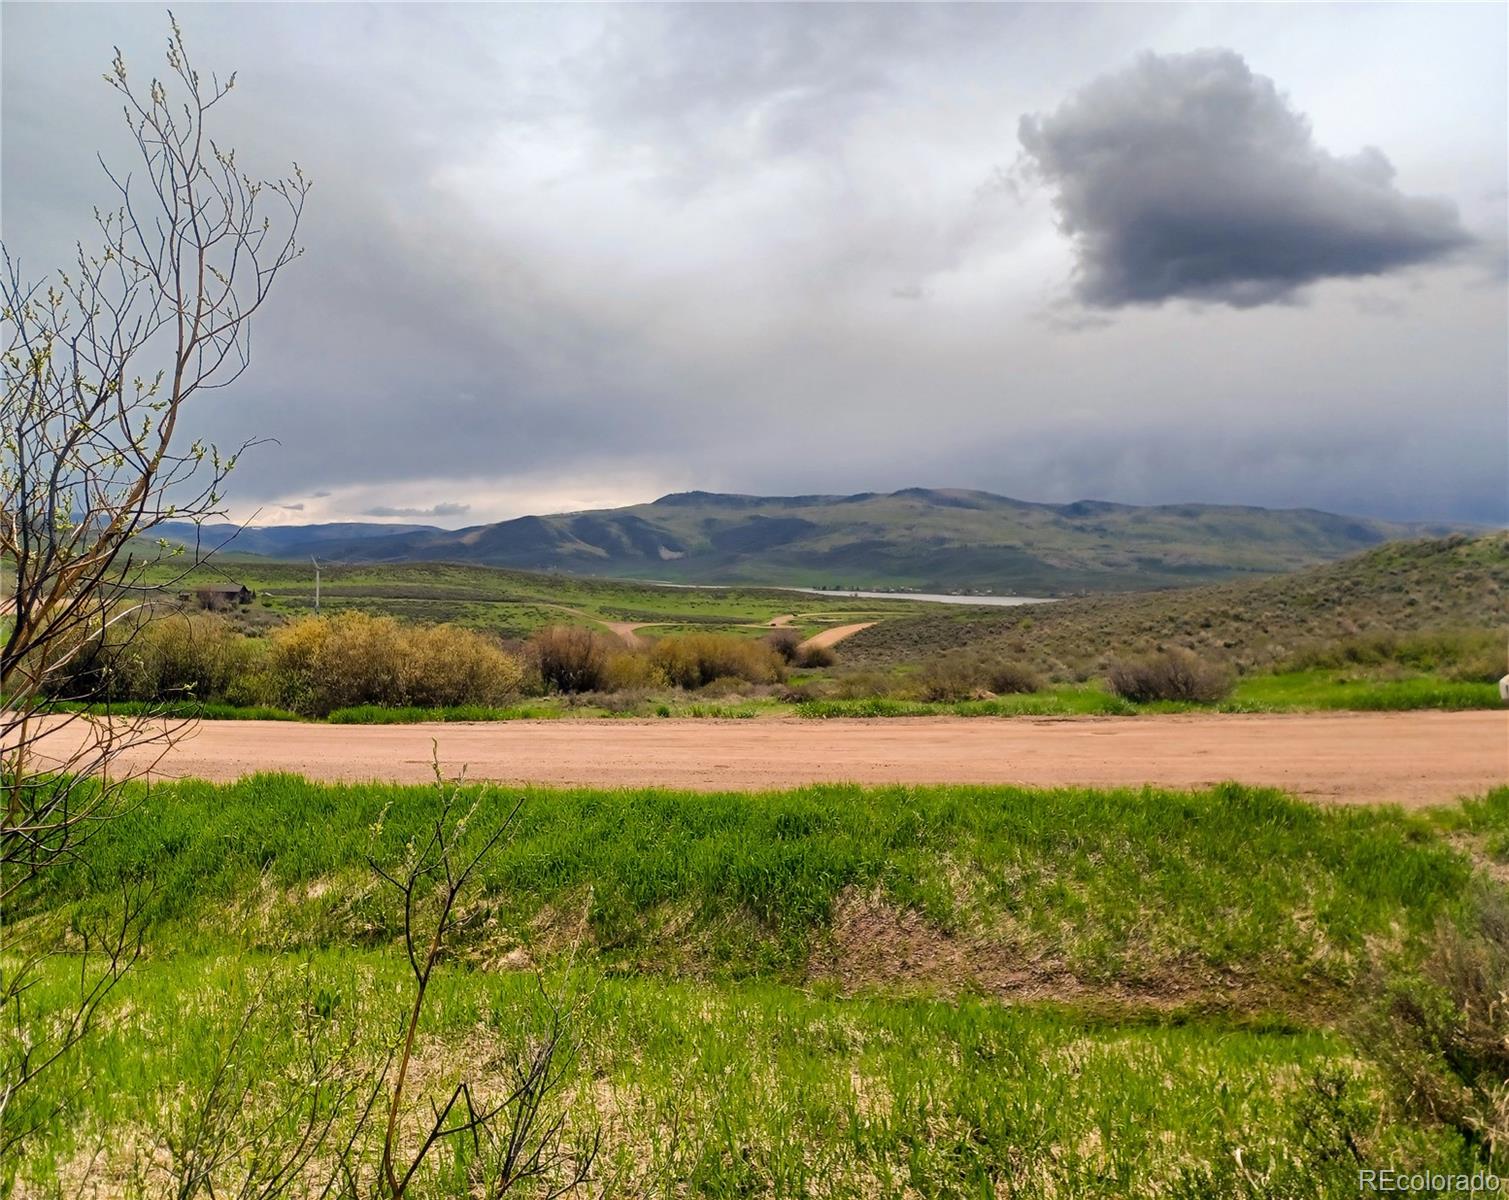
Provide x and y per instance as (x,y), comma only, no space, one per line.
(1405,758)
(831,637)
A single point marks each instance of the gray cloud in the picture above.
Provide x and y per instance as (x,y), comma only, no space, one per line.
(1188,175)
(562,253)
(445,508)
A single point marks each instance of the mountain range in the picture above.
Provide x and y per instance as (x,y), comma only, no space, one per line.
(916,538)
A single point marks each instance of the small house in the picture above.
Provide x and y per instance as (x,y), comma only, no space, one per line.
(219,596)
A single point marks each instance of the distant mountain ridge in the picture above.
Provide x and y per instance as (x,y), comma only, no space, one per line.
(916,538)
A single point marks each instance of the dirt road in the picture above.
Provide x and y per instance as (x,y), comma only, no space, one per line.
(1406,758)
(831,637)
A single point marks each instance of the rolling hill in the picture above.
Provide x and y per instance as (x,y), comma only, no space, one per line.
(1404,589)
(917,538)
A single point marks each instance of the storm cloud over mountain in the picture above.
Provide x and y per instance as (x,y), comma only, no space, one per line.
(568,257)
(1188,175)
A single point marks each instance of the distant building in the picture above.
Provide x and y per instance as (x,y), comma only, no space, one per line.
(217,596)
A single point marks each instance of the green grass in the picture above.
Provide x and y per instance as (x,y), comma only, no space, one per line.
(1107,884)
(1330,690)
(181,710)
(763,1090)
(761,1018)
(1301,691)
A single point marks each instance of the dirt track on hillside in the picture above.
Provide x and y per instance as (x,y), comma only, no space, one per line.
(831,637)
(1405,758)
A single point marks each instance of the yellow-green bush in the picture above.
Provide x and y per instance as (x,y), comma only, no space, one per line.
(319,664)
(693,660)
(448,665)
(632,671)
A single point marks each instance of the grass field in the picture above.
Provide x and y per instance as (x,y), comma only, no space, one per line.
(513,604)
(896,992)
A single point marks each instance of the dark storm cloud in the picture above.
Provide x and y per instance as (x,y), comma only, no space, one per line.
(1190,176)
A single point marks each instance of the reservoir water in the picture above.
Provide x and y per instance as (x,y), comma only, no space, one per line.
(932,597)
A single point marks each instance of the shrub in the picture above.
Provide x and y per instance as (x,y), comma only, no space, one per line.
(631,671)
(571,658)
(816,656)
(151,657)
(319,664)
(446,666)
(323,663)
(784,642)
(1007,678)
(1465,655)
(694,660)
(860,685)
(1172,674)
(1444,1036)
(955,676)
(723,687)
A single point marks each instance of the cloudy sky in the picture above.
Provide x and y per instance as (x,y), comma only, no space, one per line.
(567,257)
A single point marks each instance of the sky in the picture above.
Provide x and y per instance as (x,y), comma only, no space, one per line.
(565,257)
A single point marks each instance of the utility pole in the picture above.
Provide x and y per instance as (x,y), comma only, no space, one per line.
(316,563)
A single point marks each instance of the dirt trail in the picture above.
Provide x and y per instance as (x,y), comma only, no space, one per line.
(1405,758)
(628,631)
(831,637)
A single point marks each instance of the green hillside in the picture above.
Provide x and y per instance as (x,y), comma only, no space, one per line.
(917,538)
(1404,588)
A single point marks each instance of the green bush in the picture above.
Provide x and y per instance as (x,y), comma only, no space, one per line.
(164,657)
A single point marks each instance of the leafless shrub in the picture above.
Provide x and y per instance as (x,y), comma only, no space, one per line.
(1444,1035)
(809,656)
(955,676)
(784,642)
(861,685)
(518,1139)
(1172,674)
(94,461)
(35,1041)
(570,658)
(1007,678)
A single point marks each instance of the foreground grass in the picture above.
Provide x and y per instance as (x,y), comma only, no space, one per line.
(794,993)
(761,1090)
